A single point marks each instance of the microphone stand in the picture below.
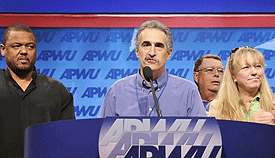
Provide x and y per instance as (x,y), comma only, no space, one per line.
(155,99)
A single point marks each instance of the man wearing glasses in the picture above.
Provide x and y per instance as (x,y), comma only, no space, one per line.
(208,74)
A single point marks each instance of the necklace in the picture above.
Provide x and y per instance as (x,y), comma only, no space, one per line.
(153,87)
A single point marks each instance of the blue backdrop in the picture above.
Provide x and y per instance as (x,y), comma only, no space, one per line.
(89,60)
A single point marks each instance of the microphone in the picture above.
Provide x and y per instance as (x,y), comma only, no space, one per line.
(148,75)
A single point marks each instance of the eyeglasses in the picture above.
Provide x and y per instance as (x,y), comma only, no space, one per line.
(212,70)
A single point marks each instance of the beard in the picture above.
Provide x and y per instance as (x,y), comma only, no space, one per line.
(214,91)
(21,72)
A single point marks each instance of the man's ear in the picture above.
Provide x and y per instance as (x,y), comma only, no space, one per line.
(195,76)
(3,50)
(137,54)
(169,53)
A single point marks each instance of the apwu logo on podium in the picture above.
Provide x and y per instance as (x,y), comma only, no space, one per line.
(160,137)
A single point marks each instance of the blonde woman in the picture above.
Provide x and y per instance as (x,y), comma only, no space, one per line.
(245,94)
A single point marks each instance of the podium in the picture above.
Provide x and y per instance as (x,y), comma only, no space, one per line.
(80,138)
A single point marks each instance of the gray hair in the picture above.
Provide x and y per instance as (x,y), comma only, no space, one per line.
(158,25)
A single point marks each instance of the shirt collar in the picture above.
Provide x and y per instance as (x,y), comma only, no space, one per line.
(255,105)
(159,82)
(12,83)
(34,74)
(258,97)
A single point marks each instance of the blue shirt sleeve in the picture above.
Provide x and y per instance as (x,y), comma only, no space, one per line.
(108,105)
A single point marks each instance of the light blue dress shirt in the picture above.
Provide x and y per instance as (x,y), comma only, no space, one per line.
(130,96)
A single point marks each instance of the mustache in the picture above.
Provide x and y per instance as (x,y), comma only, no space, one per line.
(23,57)
(152,57)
